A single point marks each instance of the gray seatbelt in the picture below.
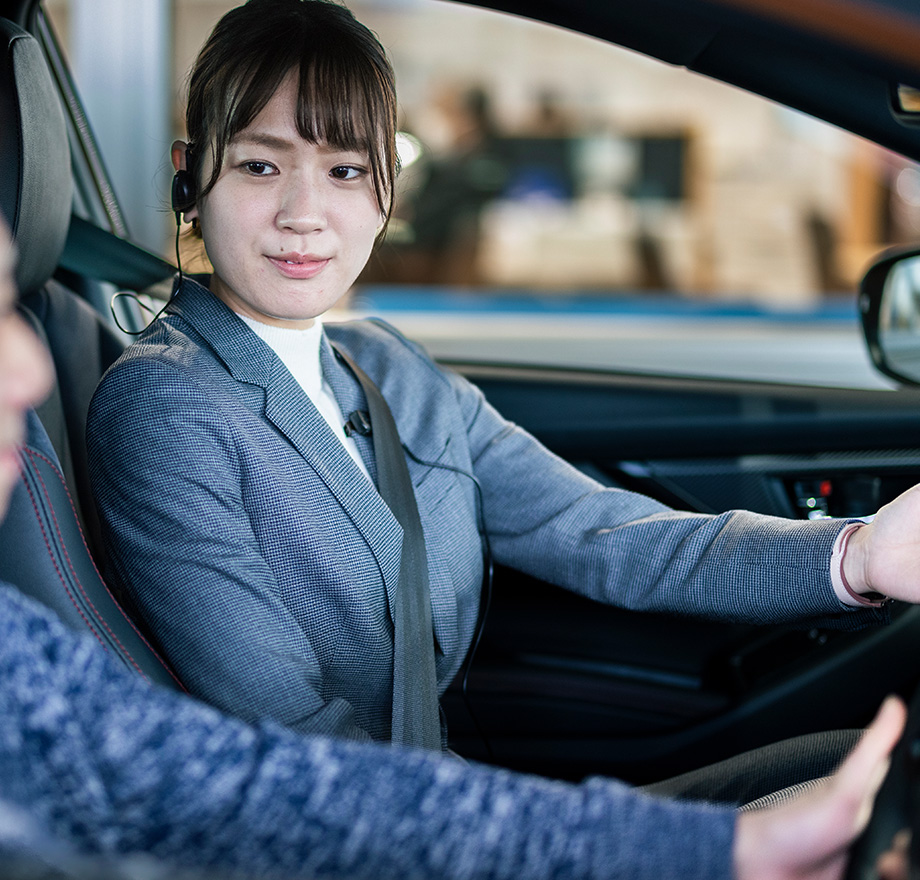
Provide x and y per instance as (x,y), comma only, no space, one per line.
(93,252)
(416,717)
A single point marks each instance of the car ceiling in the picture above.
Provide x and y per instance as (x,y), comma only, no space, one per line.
(834,59)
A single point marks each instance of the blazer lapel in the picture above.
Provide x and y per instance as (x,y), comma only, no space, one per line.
(288,407)
(350,397)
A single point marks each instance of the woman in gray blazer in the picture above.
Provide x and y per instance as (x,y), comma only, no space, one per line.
(107,778)
(245,520)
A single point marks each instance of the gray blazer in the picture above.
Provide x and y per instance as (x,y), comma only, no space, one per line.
(264,561)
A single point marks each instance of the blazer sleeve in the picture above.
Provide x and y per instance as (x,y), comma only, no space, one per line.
(168,485)
(546,518)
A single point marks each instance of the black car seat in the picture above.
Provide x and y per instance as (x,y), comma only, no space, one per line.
(42,546)
(36,195)
(42,553)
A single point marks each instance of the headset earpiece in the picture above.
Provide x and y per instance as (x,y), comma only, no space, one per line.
(183,191)
(183,194)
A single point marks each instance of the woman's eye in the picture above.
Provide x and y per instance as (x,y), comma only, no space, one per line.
(347,172)
(259,169)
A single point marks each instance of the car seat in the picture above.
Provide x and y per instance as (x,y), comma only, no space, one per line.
(36,195)
(42,546)
(42,552)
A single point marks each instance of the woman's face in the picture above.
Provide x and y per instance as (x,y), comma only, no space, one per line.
(25,374)
(289,224)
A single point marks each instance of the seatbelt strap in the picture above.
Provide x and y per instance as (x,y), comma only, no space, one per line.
(416,716)
(93,252)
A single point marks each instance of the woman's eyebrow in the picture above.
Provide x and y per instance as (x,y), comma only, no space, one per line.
(274,142)
(262,139)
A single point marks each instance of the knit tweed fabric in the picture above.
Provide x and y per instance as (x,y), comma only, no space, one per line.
(109,767)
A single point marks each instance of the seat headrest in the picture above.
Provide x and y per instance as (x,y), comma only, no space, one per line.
(36,186)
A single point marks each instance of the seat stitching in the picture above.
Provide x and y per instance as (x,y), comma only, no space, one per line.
(60,574)
(73,572)
(35,453)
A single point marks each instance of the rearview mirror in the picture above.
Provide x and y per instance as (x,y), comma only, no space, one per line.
(905,104)
(889,303)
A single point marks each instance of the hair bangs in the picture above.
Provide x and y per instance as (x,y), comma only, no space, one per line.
(346,88)
(240,100)
(343,102)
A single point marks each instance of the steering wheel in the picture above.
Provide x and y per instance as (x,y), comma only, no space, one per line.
(897,805)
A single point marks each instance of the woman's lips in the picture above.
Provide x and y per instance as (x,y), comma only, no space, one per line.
(299,267)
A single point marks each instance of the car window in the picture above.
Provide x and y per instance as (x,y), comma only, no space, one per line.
(567,202)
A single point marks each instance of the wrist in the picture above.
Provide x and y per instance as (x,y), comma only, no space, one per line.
(754,845)
(854,565)
(853,554)
(741,846)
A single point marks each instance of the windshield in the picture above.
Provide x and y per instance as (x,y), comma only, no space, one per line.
(566,202)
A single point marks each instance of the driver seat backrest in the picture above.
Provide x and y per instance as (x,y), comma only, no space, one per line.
(43,554)
(42,547)
(36,197)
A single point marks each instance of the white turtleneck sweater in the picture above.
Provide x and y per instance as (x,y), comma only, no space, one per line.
(299,352)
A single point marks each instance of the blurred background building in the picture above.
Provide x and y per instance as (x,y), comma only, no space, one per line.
(540,160)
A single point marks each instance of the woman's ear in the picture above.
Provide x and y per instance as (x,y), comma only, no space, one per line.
(178,155)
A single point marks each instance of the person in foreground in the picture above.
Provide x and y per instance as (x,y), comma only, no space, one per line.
(98,768)
(239,493)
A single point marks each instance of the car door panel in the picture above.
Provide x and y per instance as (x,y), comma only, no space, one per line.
(564,686)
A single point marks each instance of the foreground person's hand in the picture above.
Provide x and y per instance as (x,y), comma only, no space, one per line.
(810,837)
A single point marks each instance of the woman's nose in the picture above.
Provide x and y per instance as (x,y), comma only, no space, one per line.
(303,208)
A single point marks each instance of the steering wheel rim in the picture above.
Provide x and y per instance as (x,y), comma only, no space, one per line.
(896,805)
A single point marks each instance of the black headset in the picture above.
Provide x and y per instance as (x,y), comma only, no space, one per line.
(183,196)
(184,191)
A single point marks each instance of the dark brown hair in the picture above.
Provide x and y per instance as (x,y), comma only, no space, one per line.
(346,95)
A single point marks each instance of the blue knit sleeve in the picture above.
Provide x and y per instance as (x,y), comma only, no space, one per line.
(113,766)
